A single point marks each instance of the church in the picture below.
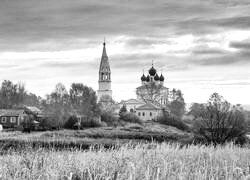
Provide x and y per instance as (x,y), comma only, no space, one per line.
(152,88)
(152,95)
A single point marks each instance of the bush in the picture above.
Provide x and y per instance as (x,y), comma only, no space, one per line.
(71,122)
(130,117)
(109,118)
(90,123)
(172,120)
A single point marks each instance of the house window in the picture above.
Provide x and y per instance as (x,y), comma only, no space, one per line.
(4,119)
(13,119)
(143,114)
(139,114)
(150,113)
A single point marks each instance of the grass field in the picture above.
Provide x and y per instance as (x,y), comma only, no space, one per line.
(133,152)
(145,161)
(83,139)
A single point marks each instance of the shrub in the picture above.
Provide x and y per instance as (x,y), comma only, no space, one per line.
(90,123)
(130,117)
(122,110)
(172,120)
(71,122)
(109,118)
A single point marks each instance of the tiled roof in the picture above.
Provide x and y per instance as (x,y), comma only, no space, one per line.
(11,112)
(149,106)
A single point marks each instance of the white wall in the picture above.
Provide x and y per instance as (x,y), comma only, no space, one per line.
(155,114)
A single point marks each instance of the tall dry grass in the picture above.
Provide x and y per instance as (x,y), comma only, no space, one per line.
(151,161)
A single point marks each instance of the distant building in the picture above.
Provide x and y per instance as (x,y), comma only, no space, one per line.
(13,118)
(104,75)
(149,111)
(131,104)
(152,97)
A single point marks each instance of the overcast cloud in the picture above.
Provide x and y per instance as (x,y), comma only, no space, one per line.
(50,41)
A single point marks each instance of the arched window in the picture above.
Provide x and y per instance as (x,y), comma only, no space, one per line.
(143,114)
(150,113)
(139,114)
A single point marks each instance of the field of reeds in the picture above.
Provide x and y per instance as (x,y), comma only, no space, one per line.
(144,161)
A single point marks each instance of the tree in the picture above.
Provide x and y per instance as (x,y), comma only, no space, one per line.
(196,110)
(71,123)
(11,95)
(151,92)
(31,99)
(177,103)
(57,106)
(122,110)
(107,104)
(84,100)
(220,122)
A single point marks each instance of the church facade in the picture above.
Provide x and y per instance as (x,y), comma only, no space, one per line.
(104,82)
(152,88)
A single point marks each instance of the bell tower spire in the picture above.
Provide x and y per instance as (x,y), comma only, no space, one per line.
(104,75)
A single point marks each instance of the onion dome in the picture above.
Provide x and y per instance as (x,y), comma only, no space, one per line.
(157,78)
(161,78)
(143,78)
(152,71)
(148,78)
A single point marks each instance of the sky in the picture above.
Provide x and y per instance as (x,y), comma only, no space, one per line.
(200,46)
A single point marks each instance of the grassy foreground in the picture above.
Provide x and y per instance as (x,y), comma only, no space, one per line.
(146,161)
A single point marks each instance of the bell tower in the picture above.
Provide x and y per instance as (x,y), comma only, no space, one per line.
(104,75)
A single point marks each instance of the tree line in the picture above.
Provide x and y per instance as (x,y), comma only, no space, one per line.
(214,122)
(57,106)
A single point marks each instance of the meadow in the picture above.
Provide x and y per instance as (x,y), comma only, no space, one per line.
(83,139)
(133,152)
(143,161)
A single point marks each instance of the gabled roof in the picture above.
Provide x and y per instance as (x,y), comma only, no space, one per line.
(11,112)
(34,109)
(149,106)
(132,101)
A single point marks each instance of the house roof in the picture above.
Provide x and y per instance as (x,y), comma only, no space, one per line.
(149,106)
(11,112)
(132,101)
(33,109)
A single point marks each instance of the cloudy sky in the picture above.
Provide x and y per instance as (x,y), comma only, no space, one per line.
(202,46)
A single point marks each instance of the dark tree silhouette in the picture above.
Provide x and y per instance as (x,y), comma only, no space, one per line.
(220,122)
(122,110)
